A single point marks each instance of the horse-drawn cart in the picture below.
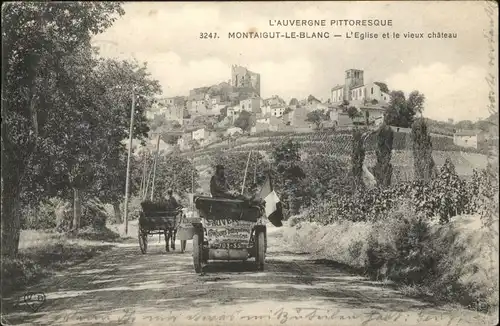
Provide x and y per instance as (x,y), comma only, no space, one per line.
(159,218)
(228,229)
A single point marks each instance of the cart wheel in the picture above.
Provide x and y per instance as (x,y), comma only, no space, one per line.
(143,240)
(260,253)
(197,252)
(183,245)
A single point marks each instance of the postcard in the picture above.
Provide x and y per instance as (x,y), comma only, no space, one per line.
(346,153)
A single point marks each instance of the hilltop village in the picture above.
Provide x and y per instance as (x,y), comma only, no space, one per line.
(236,107)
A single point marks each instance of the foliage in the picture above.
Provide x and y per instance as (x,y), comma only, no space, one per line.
(317,117)
(223,114)
(398,248)
(401,111)
(422,151)
(170,139)
(449,262)
(353,112)
(294,101)
(287,110)
(287,172)
(172,171)
(40,217)
(234,166)
(47,60)
(311,98)
(325,175)
(243,121)
(383,167)
(357,157)
(383,87)
(445,196)
(450,192)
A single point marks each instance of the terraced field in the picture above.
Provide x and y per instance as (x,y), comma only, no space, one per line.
(339,144)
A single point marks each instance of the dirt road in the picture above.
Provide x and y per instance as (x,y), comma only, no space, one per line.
(122,286)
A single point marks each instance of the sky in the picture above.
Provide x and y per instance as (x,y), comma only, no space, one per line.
(451,73)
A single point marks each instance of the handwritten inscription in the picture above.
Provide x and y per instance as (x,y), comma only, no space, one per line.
(284,316)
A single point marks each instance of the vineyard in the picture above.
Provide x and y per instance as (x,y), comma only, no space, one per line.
(339,144)
(325,142)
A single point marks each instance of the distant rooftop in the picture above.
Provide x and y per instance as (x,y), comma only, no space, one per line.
(468,132)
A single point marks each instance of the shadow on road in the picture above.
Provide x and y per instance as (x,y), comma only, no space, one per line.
(158,281)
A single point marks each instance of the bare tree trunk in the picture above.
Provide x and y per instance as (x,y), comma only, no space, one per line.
(10,221)
(77,209)
(118,213)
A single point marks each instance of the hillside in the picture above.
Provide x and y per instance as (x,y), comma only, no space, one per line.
(338,144)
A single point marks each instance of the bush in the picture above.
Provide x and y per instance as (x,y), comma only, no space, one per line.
(383,167)
(40,217)
(451,262)
(94,215)
(446,196)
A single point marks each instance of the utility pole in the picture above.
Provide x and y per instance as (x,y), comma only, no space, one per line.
(132,111)
(154,167)
(144,175)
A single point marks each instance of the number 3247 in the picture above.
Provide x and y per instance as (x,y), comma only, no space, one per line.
(208,35)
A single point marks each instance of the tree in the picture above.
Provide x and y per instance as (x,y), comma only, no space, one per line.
(383,167)
(357,158)
(244,121)
(37,36)
(324,176)
(194,144)
(175,172)
(311,98)
(383,87)
(423,163)
(353,112)
(287,110)
(464,124)
(223,114)
(287,171)
(294,101)
(317,117)
(415,104)
(220,135)
(170,138)
(158,121)
(101,102)
(234,166)
(402,111)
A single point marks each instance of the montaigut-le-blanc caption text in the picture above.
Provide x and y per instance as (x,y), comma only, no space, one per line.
(351,29)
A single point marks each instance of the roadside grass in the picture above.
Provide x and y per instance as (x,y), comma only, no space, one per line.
(43,253)
(456,263)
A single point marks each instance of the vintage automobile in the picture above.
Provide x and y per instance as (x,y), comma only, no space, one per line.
(228,229)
